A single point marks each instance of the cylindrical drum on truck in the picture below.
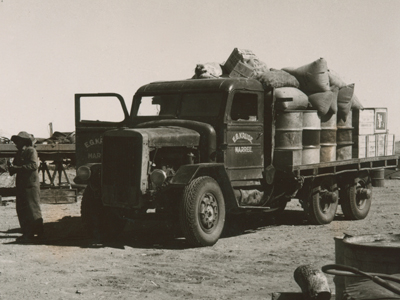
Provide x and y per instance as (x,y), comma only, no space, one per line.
(288,137)
(311,137)
(344,138)
(328,137)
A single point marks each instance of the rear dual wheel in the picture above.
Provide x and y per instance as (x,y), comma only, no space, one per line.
(356,198)
(322,200)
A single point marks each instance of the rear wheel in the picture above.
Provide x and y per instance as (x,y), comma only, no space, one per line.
(322,201)
(202,213)
(100,223)
(356,198)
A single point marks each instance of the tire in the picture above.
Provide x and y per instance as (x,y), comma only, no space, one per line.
(353,206)
(100,223)
(202,212)
(320,209)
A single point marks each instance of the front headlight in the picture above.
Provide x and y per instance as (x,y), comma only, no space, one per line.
(83,173)
(158,177)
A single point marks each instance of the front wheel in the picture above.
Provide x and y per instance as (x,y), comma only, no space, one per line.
(356,198)
(202,212)
(322,201)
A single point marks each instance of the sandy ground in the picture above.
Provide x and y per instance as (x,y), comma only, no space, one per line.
(254,259)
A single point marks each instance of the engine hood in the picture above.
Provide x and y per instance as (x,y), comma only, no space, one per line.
(163,136)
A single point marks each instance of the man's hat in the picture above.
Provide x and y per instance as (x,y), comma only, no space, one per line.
(25,136)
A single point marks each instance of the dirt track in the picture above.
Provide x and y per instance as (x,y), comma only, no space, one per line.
(256,258)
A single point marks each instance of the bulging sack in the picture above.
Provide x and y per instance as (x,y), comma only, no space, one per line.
(334,105)
(258,65)
(313,77)
(290,98)
(322,101)
(276,79)
(335,79)
(208,70)
(344,101)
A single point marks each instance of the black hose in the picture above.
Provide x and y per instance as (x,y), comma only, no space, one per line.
(341,270)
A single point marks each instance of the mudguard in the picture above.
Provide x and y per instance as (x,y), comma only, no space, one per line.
(187,173)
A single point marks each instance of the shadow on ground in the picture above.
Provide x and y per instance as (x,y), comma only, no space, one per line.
(69,231)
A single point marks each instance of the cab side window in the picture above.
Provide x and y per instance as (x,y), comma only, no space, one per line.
(244,107)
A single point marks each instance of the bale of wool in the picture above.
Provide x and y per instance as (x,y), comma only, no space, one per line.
(258,65)
(322,101)
(313,77)
(276,79)
(335,79)
(208,70)
(290,98)
(334,105)
(344,101)
(246,57)
(355,103)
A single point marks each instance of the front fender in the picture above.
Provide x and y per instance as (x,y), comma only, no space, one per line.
(187,173)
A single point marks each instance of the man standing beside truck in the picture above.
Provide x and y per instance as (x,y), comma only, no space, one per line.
(25,165)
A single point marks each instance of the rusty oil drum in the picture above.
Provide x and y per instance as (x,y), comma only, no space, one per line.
(374,253)
(328,137)
(344,138)
(288,137)
(311,137)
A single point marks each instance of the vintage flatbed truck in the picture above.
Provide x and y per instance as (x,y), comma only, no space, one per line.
(195,151)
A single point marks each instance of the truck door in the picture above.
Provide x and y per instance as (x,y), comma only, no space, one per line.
(244,138)
(95,114)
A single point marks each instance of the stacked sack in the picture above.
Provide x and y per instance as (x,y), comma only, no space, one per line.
(326,91)
(311,86)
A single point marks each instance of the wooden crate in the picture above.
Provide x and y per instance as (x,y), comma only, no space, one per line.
(380,144)
(241,70)
(238,55)
(360,146)
(371,145)
(380,123)
(236,65)
(58,196)
(390,144)
(363,121)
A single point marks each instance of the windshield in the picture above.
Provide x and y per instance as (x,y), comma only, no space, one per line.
(158,105)
(201,105)
(186,105)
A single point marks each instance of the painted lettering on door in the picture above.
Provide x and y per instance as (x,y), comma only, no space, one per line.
(247,149)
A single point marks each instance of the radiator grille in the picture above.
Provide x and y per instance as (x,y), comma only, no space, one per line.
(121,170)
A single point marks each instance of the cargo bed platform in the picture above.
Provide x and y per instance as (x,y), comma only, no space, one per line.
(342,166)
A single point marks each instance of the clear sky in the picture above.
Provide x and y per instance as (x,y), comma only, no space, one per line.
(52,49)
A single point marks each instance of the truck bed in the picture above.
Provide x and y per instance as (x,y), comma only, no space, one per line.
(343,166)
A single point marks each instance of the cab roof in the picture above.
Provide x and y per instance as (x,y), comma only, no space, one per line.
(193,85)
